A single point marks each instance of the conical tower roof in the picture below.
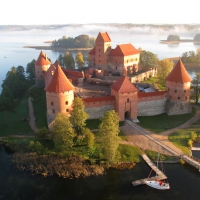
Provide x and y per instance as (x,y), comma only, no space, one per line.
(123,85)
(42,60)
(179,74)
(59,82)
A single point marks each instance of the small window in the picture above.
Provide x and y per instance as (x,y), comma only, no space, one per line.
(116,67)
(128,100)
(99,60)
(66,102)
(99,50)
(168,89)
(175,91)
(184,91)
(178,98)
(51,103)
(67,110)
(186,97)
(53,111)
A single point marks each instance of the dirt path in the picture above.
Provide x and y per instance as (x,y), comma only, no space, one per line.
(32,116)
(147,140)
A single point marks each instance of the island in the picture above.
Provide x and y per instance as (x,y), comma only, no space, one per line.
(175,39)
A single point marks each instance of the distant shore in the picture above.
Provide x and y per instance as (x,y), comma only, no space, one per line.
(57,48)
(178,41)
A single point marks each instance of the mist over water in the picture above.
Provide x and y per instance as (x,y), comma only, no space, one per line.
(12,42)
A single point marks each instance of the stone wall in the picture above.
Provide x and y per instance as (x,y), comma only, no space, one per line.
(98,112)
(178,108)
(153,107)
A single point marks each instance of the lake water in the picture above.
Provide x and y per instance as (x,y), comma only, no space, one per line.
(12,52)
(114,185)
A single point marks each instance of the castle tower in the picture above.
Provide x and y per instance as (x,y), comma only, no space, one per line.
(41,66)
(126,98)
(178,84)
(99,55)
(59,95)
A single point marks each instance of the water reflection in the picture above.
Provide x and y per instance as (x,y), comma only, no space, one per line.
(114,185)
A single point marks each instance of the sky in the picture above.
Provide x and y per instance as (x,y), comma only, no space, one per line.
(46,12)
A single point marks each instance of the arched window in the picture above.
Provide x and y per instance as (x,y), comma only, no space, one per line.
(128,100)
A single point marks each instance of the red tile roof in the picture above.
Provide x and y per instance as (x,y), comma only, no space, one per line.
(56,64)
(73,73)
(48,74)
(42,60)
(179,74)
(99,99)
(123,85)
(124,50)
(149,94)
(59,82)
(103,36)
(92,51)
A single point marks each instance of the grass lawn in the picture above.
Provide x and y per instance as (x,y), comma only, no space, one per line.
(154,155)
(40,110)
(180,138)
(14,125)
(93,124)
(160,123)
(129,153)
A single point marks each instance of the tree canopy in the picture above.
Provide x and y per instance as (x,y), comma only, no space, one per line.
(78,114)
(79,60)
(191,57)
(30,70)
(109,130)
(164,68)
(63,133)
(148,59)
(196,88)
(67,61)
(197,37)
(173,38)
(81,41)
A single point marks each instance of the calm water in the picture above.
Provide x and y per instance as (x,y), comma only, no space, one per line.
(115,185)
(12,52)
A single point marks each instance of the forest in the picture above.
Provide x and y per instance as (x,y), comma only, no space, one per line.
(81,41)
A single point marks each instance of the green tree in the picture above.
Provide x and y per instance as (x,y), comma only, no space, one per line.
(173,38)
(78,115)
(67,61)
(148,59)
(63,133)
(30,70)
(6,105)
(109,130)
(43,133)
(197,37)
(164,68)
(89,137)
(196,88)
(79,60)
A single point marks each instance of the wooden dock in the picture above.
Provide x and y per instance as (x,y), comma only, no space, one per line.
(160,174)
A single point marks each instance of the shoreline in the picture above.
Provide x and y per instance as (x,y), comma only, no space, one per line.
(179,41)
(57,48)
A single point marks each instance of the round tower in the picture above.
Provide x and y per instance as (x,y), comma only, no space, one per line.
(178,84)
(59,95)
(41,66)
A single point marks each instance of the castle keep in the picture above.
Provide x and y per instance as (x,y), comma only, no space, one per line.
(106,92)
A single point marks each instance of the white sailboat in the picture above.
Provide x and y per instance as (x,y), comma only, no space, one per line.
(158,184)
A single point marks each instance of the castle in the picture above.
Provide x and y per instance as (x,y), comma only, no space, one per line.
(124,96)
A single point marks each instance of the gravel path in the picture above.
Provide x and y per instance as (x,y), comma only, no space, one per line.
(146,140)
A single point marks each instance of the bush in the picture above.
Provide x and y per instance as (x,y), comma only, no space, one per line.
(190,142)
(193,136)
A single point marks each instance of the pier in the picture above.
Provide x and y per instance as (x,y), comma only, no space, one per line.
(160,174)
(195,162)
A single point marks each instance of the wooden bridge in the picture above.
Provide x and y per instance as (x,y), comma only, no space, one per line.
(160,174)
